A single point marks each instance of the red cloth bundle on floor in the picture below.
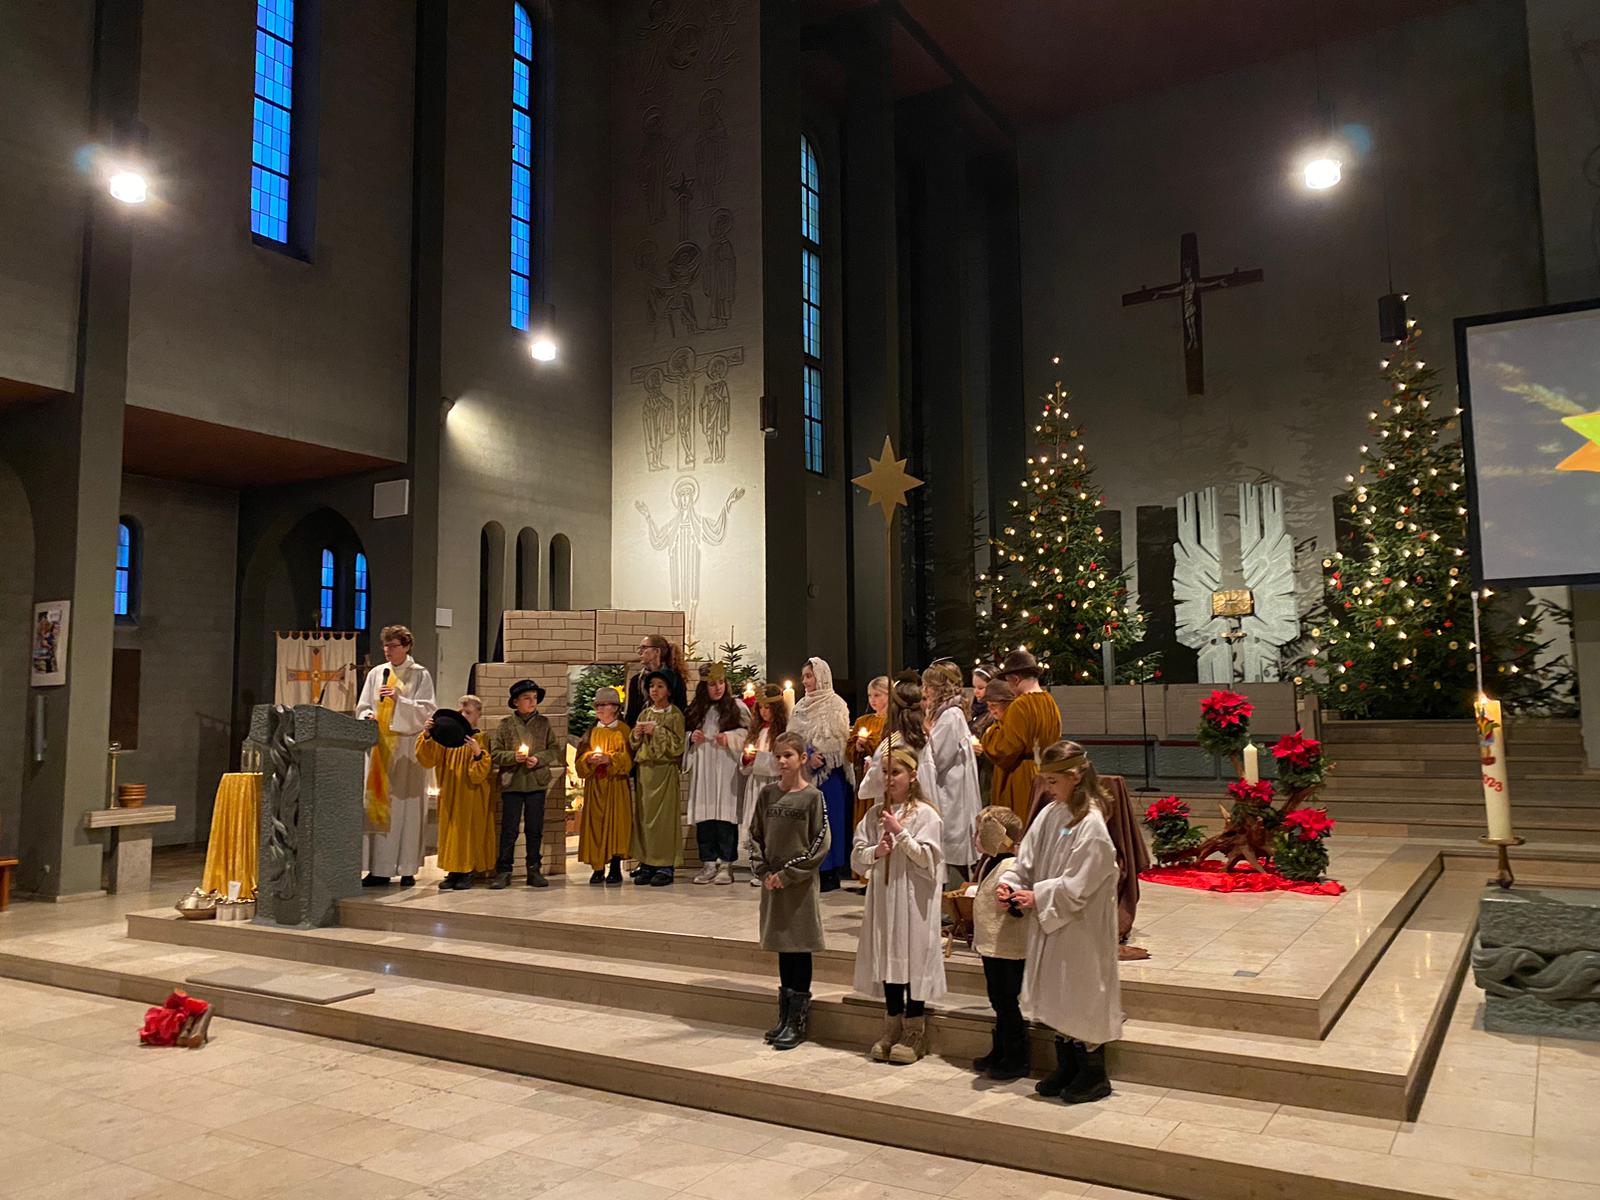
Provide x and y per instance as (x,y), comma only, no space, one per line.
(1213,877)
(165,1025)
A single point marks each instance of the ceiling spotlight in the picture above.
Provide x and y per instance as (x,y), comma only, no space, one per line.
(1322,173)
(543,348)
(542,342)
(128,186)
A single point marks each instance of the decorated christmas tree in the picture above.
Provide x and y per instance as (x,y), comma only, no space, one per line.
(1392,637)
(1052,588)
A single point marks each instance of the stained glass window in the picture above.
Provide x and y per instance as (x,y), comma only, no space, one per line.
(274,105)
(122,606)
(361,591)
(325,592)
(521,166)
(811,304)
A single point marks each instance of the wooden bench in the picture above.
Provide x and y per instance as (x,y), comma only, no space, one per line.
(7,866)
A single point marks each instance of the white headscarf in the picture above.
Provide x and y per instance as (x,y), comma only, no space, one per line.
(822,717)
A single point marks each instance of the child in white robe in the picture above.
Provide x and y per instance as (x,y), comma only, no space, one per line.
(1065,873)
(955,785)
(716,724)
(898,849)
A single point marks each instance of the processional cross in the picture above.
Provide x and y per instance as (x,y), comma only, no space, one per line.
(1191,285)
(316,676)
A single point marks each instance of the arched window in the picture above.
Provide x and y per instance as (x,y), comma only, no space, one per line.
(522,81)
(528,569)
(361,592)
(126,602)
(270,158)
(560,572)
(491,588)
(326,589)
(811,303)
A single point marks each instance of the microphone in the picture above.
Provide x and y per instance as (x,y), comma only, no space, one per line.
(386,673)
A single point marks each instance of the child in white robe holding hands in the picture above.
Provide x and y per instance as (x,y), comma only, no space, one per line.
(1065,873)
(898,849)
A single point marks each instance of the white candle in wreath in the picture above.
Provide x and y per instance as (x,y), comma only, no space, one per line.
(1252,763)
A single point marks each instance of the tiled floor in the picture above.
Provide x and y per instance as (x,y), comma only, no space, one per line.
(265,1113)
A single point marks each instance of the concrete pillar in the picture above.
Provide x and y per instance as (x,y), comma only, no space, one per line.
(872,333)
(75,481)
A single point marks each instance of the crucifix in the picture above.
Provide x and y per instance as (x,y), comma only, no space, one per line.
(1191,285)
(316,676)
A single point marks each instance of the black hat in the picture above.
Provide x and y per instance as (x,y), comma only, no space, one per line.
(666,677)
(1020,662)
(526,685)
(450,728)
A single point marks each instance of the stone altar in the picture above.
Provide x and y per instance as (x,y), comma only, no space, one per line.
(311,811)
(1537,958)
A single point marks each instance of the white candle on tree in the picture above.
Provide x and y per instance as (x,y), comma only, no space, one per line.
(1252,763)
(1492,760)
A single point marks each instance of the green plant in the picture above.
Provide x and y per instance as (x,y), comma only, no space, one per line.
(1299,848)
(1168,822)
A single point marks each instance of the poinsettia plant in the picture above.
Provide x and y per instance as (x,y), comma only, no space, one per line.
(1251,802)
(1224,723)
(1301,763)
(1299,850)
(1168,822)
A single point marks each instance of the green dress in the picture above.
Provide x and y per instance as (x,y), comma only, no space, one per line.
(658,800)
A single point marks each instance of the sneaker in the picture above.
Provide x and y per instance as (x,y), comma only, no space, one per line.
(536,880)
(724,874)
(708,872)
(755,880)
(502,880)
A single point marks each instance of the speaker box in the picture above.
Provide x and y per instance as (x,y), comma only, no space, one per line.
(1392,317)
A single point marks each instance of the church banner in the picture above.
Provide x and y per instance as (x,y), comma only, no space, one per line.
(317,668)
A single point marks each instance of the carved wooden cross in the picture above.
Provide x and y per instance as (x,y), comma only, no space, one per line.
(1191,285)
(316,676)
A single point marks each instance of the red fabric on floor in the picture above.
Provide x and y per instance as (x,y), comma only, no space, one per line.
(1211,877)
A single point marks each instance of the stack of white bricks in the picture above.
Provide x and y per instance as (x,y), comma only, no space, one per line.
(545,647)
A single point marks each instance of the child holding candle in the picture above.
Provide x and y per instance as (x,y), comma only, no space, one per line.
(899,849)
(868,731)
(716,724)
(1065,874)
(1000,936)
(604,761)
(524,751)
(657,742)
(758,765)
(789,839)
(904,726)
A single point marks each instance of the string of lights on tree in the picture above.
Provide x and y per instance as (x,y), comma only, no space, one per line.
(1392,637)
(1050,588)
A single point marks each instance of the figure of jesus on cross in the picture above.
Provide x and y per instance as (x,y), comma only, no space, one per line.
(1188,289)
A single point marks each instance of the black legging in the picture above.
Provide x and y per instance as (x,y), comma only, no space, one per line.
(898,1002)
(794,970)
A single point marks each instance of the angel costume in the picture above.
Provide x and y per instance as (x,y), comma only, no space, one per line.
(393,841)
(757,768)
(715,786)
(822,718)
(954,782)
(900,940)
(1071,982)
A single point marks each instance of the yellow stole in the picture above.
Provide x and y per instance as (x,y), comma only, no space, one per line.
(378,796)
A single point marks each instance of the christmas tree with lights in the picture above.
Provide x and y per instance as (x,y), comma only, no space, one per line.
(1393,635)
(1051,588)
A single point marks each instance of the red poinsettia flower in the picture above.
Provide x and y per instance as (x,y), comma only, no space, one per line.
(1308,823)
(1168,806)
(1298,750)
(1254,793)
(1226,710)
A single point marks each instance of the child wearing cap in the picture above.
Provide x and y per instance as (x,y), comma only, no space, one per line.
(604,760)
(716,724)
(450,746)
(524,750)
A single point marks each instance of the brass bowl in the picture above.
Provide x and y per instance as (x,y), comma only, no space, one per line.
(197,906)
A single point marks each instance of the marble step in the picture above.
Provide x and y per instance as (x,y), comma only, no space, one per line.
(1459,766)
(1558,732)
(1405,825)
(1403,809)
(1547,789)
(1181,1149)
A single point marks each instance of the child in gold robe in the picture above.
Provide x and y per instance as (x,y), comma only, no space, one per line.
(604,760)
(466,802)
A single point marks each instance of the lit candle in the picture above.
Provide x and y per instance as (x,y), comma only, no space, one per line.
(788,692)
(1492,757)
(861,733)
(523,749)
(749,688)
(1252,763)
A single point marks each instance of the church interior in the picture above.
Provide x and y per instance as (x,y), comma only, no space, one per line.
(1086,516)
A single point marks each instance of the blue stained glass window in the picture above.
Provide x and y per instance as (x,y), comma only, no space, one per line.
(325,592)
(811,305)
(361,591)
(521,166)
(123,604)
(269,136)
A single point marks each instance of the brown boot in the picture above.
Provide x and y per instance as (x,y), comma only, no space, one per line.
(891,1035)
(913,1041)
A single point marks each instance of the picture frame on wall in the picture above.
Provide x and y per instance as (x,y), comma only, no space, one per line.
(52,622)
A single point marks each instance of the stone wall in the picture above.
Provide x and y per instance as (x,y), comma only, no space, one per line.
(544,647)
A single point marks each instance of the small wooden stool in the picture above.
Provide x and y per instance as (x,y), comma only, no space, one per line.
(7,866)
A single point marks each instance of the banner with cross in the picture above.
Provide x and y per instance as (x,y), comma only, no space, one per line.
(317,667)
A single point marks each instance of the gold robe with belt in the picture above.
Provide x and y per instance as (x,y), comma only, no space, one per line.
(467,841)
(1012,744)
(606,830)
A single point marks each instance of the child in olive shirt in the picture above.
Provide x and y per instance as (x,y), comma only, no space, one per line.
(789,838)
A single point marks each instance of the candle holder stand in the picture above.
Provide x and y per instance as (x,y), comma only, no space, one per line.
(1503,878)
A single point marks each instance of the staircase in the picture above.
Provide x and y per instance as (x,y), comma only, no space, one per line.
(1421,778)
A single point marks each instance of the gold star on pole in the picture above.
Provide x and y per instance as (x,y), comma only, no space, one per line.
(888,481)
